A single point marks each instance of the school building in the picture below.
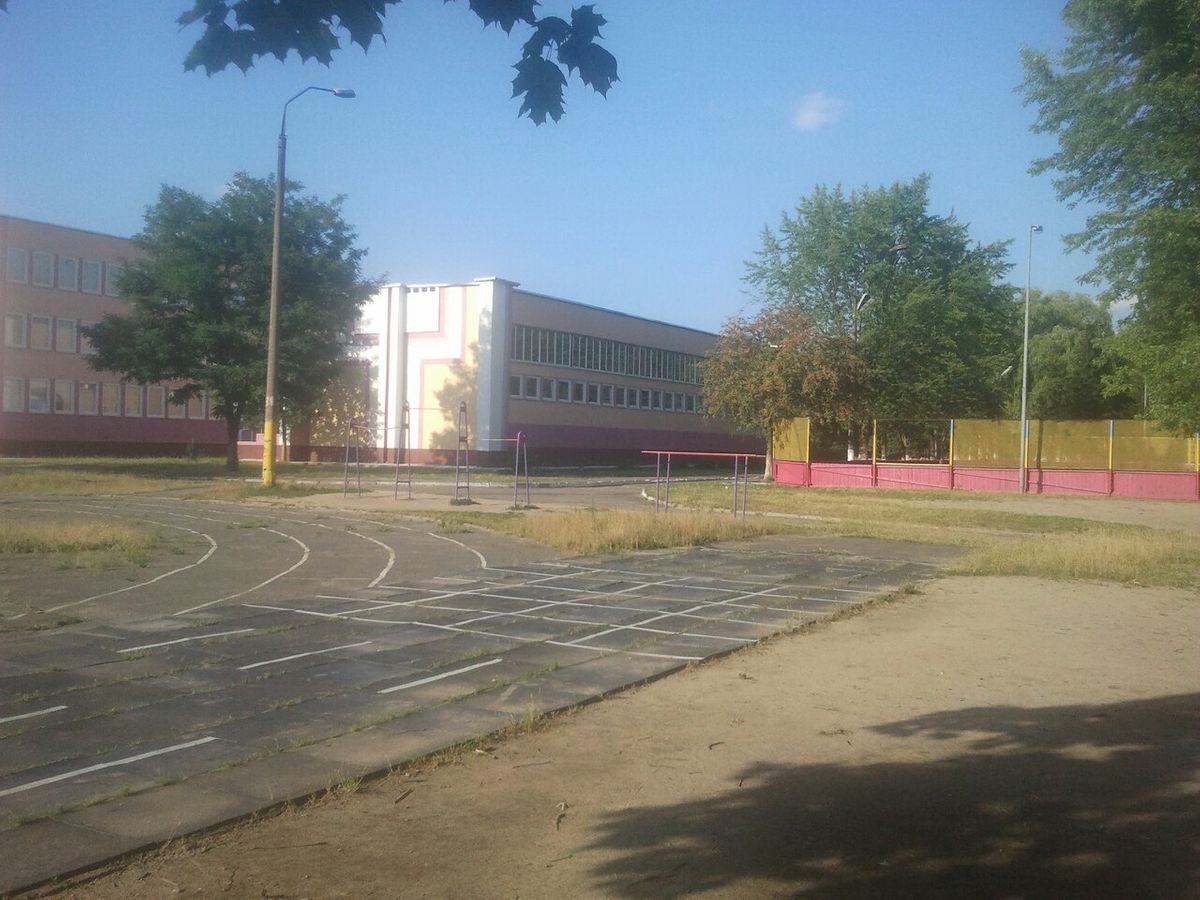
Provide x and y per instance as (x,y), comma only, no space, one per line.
(57,280)
(579,383)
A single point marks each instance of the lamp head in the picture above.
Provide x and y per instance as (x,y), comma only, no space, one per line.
(348,93)
(1035,229)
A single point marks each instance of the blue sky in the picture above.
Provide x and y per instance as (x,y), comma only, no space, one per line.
(649,201)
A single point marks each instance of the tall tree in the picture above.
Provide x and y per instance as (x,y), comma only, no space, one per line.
(238,32)
(198,300)
(1123,99)
(924,305)
(777,365)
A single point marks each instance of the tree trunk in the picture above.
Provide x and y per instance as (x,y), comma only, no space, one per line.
(232,427)
(768,475)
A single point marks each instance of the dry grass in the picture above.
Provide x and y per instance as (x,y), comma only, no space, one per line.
(79,542)
(1004,543)
(1128,555)
(592,531)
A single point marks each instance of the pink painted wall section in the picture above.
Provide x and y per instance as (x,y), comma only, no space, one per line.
(543,437)
(927,476)
(1093,482)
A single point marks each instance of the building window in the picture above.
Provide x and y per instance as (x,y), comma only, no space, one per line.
(90,282)
(39,395)
(514,385)
(577,392)
(619,395)
(14,394)
(564,391)
(68,273)
(64,396)
(43,269)
(547,388)
(89,398)
(689,403)
(156,401)
(39,332)
(606,395)
(195,407)
(593,392)
(110,399)
(85,346)
(14,330)
(176,410)
(531,387)
(16,267)
(64,335)
(133,399)
(644,399)
(668,401)
(112,277)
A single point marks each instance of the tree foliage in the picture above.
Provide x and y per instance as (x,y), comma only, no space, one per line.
(238,32)
(1123,99)
(1068,365)
(198,296)
(778,365)
(924,306)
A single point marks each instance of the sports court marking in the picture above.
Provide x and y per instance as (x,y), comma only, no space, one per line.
(432,678)
(30,715)
(75,773)
(303,559)
(268,662)
(198,637)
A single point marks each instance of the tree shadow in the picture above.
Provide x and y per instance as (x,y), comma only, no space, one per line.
(1069,801)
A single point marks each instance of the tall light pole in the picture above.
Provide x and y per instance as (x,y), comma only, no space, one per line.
(1021,486)
(268,459)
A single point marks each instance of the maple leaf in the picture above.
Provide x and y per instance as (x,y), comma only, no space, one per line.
(541,82)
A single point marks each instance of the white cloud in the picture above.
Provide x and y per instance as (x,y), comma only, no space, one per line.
(817,110)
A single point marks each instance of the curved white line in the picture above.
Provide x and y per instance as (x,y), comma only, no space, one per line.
(276,577)
(483,563)
(390,552)
(211,550)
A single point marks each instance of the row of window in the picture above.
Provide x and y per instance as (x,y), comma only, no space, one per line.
(559,390)
(67,273)
(579,351)
(45,333)
(104,398)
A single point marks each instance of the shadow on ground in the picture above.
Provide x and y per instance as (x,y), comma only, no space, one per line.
(1077,801)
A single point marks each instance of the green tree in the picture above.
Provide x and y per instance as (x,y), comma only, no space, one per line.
(925,306)
(777,365)
(1123,99)
(238,32)
(198,295)
(1067,363)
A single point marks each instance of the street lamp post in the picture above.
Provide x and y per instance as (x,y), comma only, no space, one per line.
(268,459)
(1024,437)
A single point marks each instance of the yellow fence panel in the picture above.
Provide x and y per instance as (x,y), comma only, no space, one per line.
(1143,446)
(790,440)
(1079,444)
(985,442)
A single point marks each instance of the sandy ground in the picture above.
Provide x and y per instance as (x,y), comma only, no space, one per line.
(985,738)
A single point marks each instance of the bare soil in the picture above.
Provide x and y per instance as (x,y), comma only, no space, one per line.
(997,737)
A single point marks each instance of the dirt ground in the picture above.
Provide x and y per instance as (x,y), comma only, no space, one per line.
(984,738)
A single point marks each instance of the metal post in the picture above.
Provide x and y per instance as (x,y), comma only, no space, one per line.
(1022,473)
(745,482)
(657,477)
(667,492)
(1112,434)
(735,486)
(950,456)
(874,453)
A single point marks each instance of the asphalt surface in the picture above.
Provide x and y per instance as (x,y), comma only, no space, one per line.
(267,654)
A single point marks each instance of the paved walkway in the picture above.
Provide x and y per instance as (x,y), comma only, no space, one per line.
(281,652)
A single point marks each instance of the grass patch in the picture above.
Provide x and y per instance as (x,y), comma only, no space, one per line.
(1002,542)
(233,490)
(79,543)
(1124,554)
(591,531)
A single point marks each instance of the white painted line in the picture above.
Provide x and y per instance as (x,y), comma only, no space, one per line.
(441,537)
(420,681)
(268,662)
(627,652)
(198,637)
(261,584)
(211,550)
(40,712)
(390,552)
(108,765)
